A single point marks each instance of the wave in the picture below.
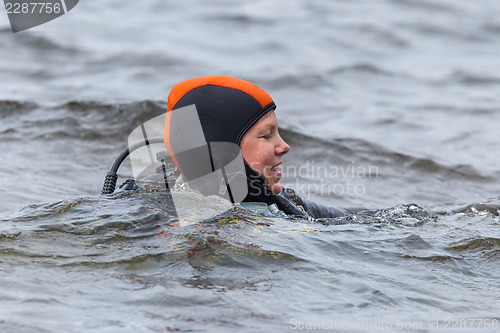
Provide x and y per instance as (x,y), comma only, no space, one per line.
(492,206)
(476,244)
(492,27)
(425,5)
(305,81)
(363,68)
(136,60)
(41,45)
(86,120)
(472,79)
(10,108)
(240,19)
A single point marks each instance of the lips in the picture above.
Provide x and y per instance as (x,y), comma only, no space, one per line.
(277,169)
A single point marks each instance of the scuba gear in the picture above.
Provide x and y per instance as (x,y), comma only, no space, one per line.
(112,176)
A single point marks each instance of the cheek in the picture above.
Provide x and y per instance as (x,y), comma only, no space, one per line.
(262,153)
(265,160)
(258,157)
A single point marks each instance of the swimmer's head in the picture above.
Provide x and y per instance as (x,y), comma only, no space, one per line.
(235,111)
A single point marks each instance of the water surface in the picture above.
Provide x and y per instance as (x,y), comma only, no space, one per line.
(392,106)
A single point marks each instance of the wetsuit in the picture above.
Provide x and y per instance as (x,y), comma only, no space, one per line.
(288,201)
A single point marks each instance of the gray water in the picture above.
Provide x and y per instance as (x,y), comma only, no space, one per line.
(391,106)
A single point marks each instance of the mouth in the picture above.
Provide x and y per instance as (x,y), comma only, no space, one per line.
(277,168)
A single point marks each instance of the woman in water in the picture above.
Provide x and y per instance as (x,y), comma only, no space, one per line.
(235,111)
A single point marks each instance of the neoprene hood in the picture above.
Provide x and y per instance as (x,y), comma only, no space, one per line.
(227,107)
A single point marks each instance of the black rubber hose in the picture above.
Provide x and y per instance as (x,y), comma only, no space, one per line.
(111,178)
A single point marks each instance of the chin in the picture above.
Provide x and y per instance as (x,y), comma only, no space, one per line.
(276,188)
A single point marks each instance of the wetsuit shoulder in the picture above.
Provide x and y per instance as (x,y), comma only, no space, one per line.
(314,209)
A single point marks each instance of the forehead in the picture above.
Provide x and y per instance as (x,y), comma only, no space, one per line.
(268,119)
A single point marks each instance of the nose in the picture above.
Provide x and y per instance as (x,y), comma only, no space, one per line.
(282,147)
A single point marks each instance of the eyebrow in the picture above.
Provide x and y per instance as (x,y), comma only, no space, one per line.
(268,126)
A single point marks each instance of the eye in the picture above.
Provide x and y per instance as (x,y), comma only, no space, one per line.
(267,137)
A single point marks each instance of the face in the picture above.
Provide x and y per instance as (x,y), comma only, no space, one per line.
(262,148)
